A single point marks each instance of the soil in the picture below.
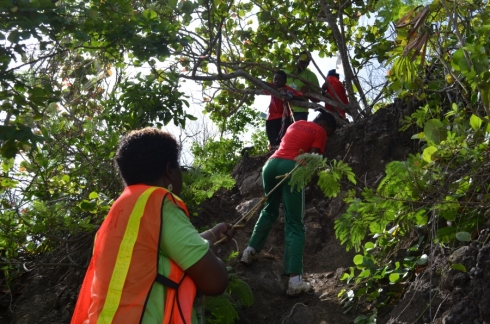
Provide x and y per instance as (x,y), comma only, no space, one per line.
(436,294)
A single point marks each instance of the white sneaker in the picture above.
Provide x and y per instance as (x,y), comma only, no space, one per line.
(248,253)
(297,288)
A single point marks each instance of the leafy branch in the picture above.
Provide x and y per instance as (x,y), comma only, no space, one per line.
(329,174)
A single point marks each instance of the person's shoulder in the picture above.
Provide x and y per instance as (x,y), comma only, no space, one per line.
(301,124)
(289,88)
(309,71)
(311,74)
(312,125)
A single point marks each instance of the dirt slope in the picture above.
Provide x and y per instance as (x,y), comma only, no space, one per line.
(436,295)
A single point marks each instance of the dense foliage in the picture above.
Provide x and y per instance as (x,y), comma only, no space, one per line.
(442,194)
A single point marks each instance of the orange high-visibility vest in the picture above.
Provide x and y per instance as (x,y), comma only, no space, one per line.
(124,265)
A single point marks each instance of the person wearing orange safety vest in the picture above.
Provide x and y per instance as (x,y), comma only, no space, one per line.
(149,262)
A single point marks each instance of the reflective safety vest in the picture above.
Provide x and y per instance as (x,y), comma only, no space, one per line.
(124,265)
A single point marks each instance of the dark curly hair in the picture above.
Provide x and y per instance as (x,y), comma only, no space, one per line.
(142,155)
(326,116)
(282,73)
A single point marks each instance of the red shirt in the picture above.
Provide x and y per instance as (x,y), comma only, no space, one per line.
(276,107)
(340,92)
(300,137)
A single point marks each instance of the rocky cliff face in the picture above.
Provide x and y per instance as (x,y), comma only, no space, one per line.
(436,294)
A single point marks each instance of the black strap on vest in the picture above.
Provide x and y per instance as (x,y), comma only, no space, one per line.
(161,279)
(167,282)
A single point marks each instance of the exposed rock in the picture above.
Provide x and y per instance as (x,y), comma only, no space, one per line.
(252,186)
(300,314)
(267,276)
(244,207)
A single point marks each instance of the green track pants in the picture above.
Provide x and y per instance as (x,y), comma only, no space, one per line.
(293,202)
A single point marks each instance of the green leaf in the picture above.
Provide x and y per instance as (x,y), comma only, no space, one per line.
(454,61)
(418,136)
(87,206)
(475,122)
(364,274)
(463,236)
(13,36)
(93,195)
(187,7)
(358,259)
(458,266)
(449,214)
(446,234)
(242,290)
(428,152)
(433,131)
(463,65)
(172,3)
(369,246)
(152,14)
(394,277)
(421,218)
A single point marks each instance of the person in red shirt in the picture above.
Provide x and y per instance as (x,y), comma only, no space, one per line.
(333,88)
(301,137)
(279,116)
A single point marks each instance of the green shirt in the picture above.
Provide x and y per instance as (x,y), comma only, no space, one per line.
(180,242)
(297,84)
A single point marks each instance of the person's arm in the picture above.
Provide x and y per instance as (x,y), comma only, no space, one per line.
(293,94)
(268,84)
(324,88)
(217,233)
(191,251)
(209,274)
(210,263)
(298,95)
(299,98)
(340,92)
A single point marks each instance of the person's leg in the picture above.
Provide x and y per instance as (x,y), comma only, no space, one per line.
(300,116)
(287,122)
(294,228)
(269,214)
(295,240)
(272,128)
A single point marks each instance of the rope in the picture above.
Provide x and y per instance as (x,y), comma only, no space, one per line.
(285,108)
(255,208)
(291,113)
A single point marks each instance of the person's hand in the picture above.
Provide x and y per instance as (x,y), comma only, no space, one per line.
(289,97)
(223,230)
